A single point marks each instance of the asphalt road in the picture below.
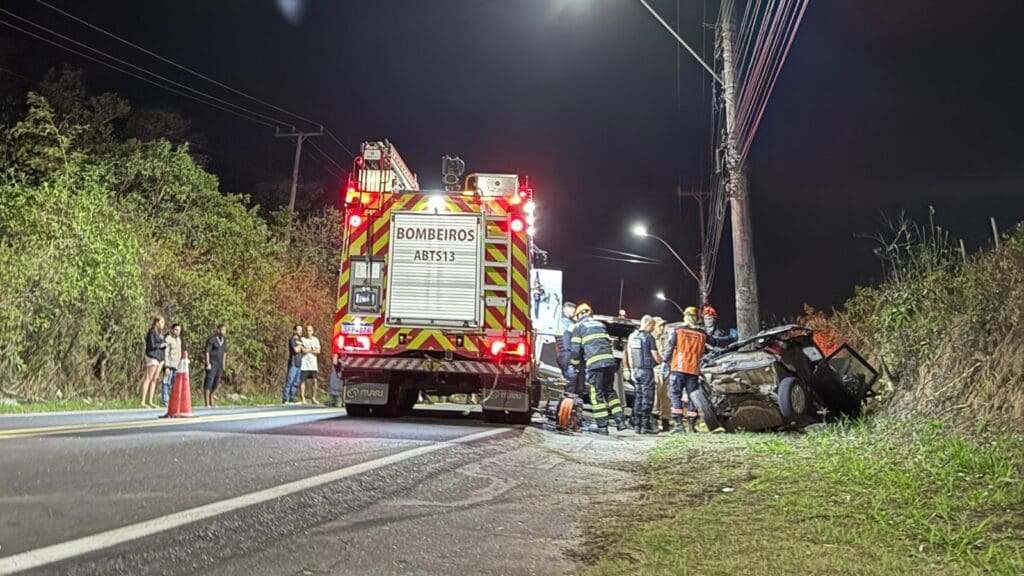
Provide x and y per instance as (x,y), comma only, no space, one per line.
(288,490)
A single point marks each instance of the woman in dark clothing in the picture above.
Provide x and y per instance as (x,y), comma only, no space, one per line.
(154,361)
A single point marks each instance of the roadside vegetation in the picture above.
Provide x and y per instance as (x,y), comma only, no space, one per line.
(947,331)
(107,217)
(868,498)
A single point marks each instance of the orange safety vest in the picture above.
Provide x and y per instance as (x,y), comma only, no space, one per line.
(688,351)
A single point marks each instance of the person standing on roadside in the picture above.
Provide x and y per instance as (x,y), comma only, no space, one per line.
(310,368)
(291,379)
(662,406)
(214,354)
(154,361)
(171,361)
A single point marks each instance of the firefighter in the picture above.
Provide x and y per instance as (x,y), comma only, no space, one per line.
(685,349)
(710,322)
(573,377)
(643,357)
(592,352)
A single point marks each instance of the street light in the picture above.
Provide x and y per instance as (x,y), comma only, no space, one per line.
(661,296)
(641,230)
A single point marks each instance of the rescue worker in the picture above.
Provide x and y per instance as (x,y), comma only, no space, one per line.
(574,378)
(662,406)
(710,317)
(643,358)
(685,349)
(592,352)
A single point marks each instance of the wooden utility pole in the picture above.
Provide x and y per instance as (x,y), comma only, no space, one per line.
(299,137)
(748,320)
(703,293)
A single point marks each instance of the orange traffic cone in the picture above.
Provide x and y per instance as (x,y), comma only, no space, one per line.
(180,403)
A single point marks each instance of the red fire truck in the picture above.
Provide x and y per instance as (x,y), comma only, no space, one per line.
(434,292)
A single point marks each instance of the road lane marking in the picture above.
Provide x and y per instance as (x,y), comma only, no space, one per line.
(153,423)
(58,552)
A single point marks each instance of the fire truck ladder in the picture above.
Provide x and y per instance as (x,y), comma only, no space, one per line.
(502,242)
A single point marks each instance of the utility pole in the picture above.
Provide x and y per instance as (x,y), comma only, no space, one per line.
(299,137)
(703,292)
(748,320)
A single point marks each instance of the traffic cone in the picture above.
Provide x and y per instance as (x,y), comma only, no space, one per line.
(180,404)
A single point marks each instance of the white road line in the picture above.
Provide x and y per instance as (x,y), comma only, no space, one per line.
(88,544)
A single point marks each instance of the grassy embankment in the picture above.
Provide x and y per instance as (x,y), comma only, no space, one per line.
(860,499)
(121,404)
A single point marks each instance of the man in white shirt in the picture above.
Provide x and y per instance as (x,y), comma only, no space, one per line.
(171,361)
(310,369)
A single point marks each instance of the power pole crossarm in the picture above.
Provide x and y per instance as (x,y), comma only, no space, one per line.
(299,137)
(681,41)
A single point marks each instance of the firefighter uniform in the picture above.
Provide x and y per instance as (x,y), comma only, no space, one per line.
(641,347)
(685,350)
(592,352)
(574,378)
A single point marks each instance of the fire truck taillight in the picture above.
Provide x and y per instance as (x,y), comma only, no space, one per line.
(517,224)
(503,348)
(352,343)
(355,220)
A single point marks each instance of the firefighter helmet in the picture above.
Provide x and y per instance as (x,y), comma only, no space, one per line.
(709,310)
(583,309)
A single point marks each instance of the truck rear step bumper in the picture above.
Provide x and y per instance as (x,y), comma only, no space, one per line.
(435,365)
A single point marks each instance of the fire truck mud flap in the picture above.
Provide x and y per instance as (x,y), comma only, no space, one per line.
(368,393)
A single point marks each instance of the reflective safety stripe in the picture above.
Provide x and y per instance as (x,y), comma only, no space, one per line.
(599,357)
(601,414)
(591,337)
(575,361)
(576,340)
(614,401)
(691,414)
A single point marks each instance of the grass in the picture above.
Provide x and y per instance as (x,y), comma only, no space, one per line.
(126,404)
(855,499)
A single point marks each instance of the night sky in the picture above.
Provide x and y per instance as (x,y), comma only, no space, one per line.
(882,107)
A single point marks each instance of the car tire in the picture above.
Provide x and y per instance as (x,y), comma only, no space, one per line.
(794,400)
(704,407)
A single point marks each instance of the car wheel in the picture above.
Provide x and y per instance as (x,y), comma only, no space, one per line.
(794,401)
(704,407)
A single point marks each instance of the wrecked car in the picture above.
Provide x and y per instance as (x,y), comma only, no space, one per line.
(780,379)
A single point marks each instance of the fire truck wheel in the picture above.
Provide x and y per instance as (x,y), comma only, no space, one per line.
(495,416)
(521,418)
(357,410)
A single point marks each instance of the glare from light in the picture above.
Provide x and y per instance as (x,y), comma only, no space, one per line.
(530,219)
(640,230)
(531,231)
(660,295)
(436,204)
(529,207)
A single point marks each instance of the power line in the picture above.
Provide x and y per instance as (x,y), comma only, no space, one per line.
(329,159)
(132,74)
(199,75)
(326,166)
(274,121)
(176,65)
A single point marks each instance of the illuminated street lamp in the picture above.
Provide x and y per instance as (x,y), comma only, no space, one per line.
(641,231)
(661,296)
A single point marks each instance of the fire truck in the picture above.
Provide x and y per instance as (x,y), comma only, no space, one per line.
(434,294)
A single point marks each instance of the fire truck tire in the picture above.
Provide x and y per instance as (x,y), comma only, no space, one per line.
(495,416)
(357,410)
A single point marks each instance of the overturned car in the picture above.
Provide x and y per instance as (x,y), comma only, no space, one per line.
(780,379)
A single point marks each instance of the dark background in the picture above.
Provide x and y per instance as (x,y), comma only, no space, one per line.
(882,107)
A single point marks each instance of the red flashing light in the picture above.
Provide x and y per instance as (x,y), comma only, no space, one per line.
(503,348)
(515,199)
(351,193)
(355,220)
(352,343)
(517,225)
(497,347)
